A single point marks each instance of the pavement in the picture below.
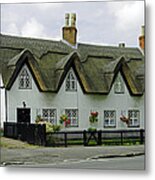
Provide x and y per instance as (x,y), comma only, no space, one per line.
(44,156)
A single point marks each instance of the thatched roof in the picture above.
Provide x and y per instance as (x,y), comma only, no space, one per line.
(96,67)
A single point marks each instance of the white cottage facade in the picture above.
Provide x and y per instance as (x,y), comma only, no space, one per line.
(52,105)
(49,79)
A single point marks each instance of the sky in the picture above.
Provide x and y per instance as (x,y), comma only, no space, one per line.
(99,22)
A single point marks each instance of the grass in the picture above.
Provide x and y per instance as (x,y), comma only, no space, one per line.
(107,142)
(15,144)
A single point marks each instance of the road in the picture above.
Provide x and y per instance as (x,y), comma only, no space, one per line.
(132,163)
(74,157)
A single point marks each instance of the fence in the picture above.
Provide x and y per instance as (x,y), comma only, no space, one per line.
(87,138)
(31,133)
(36,134)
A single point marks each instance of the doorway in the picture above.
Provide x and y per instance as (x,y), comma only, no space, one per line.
(23,115)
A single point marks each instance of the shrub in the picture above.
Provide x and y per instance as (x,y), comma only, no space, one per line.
(49,126)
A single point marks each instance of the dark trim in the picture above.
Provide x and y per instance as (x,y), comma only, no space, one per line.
(70,64)
(22,60)
(138,126)
(6,106)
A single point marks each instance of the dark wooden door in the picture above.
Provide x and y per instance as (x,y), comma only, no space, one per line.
(23,115)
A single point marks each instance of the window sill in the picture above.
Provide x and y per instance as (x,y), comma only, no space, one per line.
(109,126)
(134,126)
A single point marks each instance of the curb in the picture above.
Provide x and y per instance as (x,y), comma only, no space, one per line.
(118,155)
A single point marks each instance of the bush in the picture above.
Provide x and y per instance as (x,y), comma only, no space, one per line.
(49,126)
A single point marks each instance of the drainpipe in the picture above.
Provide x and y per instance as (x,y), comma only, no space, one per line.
(6,106)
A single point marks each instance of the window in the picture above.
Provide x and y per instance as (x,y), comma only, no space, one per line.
(71,83)
(119,86)
(24,80)
(73,116)
(134,118)
(49,115)
(109,119)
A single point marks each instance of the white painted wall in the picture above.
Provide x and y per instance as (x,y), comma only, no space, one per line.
(2,102)
(84,102)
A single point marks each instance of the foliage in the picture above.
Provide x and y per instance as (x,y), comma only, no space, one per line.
(65,120)
(56,128)
(51,140)
(93,117)
(49,126)
(38,119)
(92,129)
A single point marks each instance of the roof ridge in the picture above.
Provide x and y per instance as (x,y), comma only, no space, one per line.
(105,46)
(28,38)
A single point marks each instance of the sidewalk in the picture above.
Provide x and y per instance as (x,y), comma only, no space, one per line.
(44,155)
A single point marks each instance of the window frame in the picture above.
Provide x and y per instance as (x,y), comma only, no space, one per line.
(109,119)
(119,86)
(49,118)
(132,118)
(71,81)
(73,118)
(25,76)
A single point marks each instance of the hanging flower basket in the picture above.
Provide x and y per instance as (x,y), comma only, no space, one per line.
(124,119)
(93,118)
(64,120)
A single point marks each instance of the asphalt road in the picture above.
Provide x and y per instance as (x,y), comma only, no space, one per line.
(132,163)
(74,157)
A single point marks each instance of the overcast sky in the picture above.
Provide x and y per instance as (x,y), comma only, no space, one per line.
(103,22)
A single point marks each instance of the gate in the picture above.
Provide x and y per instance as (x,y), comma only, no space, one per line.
(92,138)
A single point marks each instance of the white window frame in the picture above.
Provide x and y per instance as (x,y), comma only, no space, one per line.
(119,87)
(51,115)
(73,119)
(134,118)
(111,121)
(71,81)
(25,81)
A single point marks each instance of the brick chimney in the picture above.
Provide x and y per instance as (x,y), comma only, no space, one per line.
(69,31)
(142,38)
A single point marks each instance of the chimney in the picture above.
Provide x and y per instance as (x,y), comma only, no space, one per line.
(121,45)
(142,38)
(69,31)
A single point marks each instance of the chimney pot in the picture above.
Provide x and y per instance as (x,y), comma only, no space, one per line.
(67,19)
(73,19)
(121,45)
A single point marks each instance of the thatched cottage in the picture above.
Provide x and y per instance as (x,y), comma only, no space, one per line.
(50,78)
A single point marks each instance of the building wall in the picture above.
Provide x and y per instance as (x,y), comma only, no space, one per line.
(85,103)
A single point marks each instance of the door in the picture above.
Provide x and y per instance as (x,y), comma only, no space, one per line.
(23,115)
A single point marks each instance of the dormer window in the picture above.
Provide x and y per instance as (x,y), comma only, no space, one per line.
(24,80)
(119,86)
(71,82)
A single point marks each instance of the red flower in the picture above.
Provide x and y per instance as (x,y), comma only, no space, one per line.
(67,122)
(94,114)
